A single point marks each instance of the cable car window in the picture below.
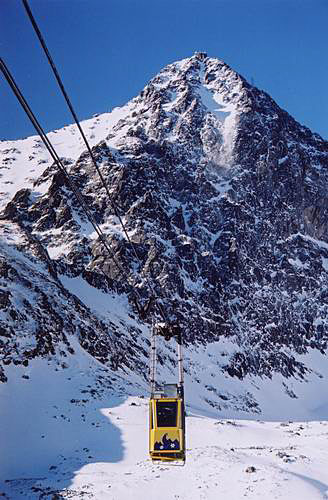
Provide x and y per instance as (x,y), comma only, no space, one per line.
(167,413)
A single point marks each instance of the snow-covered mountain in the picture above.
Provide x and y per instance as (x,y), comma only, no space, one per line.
(225,198)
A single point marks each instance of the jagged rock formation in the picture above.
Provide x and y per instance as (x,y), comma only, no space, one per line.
(225,198)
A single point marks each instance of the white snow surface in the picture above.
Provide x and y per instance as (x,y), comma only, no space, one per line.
(226,115)
(56,439)
(24,160)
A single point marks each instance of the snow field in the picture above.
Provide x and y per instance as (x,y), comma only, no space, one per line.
(71,433)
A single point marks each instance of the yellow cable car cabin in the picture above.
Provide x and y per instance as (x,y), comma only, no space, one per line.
(166,428)
(166,407)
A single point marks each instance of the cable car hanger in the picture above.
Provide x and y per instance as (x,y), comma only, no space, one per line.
(167,440)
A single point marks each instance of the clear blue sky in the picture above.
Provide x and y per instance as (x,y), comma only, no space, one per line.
(107,50)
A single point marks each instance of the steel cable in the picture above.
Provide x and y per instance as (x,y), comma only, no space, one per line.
(94,161)
(57,160)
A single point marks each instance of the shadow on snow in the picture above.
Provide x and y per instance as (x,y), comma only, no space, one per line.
(50,428)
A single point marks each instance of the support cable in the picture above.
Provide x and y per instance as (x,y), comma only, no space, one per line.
(80,200)
(94,161)
(92,220)
(57,160)
(75,190)
(69,104)
(13,85)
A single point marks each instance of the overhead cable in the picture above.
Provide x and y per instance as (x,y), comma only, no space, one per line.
(69,104)
(94,161)
(57,160)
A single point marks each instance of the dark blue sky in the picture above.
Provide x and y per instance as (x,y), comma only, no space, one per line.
(107,50)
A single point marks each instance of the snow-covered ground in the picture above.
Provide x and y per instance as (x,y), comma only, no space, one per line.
(81,432)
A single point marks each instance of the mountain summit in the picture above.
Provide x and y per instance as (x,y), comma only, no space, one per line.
(224,195)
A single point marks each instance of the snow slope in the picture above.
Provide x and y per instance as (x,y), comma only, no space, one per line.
(24,160)
(81,433)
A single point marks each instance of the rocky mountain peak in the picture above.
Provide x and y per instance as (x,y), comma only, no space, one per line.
(194,100)
(225,198)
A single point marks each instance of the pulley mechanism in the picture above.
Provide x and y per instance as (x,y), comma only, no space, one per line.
(169,330)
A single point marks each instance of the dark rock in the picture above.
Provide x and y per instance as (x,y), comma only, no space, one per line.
(250,469)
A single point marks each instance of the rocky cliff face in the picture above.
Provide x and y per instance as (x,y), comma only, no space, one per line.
(225,198)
